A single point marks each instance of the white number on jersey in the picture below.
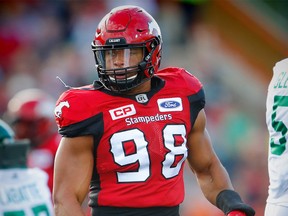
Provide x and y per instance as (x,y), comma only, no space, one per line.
(280,106)
(171,134)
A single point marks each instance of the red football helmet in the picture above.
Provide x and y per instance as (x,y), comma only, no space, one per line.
(123,32)
(30,112)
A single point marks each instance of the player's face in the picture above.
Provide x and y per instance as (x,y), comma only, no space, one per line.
(123,58)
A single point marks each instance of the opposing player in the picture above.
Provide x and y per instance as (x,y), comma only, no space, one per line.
(127,135)
(23,191)
(30,112)
(277,123)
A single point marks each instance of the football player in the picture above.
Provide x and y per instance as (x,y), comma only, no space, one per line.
(23,191)
(128,135)
(277,123)
(30,113)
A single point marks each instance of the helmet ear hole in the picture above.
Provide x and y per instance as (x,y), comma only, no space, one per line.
(155,43)
(151,71)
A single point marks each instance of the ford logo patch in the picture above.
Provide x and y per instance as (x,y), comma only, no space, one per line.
(170,104)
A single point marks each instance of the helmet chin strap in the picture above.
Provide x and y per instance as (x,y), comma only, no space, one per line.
(142,65)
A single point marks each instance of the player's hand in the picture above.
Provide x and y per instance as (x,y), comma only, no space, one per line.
(236,213)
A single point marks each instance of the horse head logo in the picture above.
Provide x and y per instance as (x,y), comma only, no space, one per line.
(59,107)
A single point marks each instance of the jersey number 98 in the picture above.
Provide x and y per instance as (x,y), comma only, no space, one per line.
(141,155)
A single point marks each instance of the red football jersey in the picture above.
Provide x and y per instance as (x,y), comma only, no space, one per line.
(140,140)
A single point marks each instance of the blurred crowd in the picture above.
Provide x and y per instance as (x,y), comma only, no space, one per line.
(42,40)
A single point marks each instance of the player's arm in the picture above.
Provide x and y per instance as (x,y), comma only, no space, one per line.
(72,175)
(211,175)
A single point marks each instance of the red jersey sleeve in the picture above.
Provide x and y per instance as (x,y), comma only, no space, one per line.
(75,115)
